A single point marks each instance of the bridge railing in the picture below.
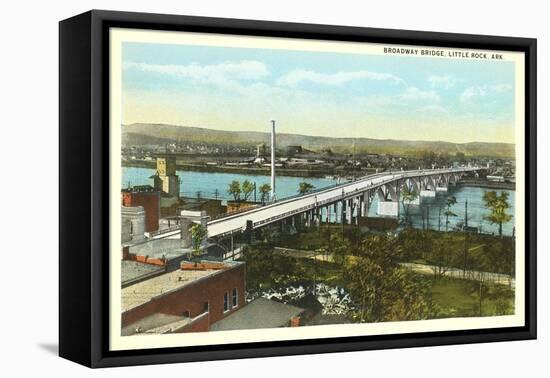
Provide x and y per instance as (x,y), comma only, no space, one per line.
(402,174)
(237,212)
(165,230)
(300,196)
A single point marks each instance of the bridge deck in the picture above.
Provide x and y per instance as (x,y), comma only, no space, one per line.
(286,208)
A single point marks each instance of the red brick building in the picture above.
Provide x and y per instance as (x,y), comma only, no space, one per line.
(190,299)
(147,197)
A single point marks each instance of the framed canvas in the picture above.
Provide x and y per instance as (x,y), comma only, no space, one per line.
(235,188)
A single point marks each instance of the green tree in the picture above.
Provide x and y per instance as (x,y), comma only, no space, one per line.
(198,233)
(270,234)
(247,189)
(408,196)
(235,190)
(264,191)
(384,290)
(482,262)
(305,187)
(339,248)
(440,256)
(412,243)
(451,200)
(266,269)
(498,204)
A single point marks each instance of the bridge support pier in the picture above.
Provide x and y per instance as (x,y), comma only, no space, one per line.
(366,203)
(318,213)
(354,211)
(427,193)
(388,208)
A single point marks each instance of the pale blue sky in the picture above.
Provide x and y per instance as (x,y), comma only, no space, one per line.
(319,93)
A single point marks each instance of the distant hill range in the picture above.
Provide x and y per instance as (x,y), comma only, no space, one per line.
(145,134)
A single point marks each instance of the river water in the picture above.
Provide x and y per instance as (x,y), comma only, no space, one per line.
(476,210)
(215,184)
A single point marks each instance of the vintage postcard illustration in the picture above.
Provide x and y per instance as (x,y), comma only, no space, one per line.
(284,189)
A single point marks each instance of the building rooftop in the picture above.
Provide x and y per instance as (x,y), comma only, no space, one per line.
(171,327)
(140,189)
(151,322)
(145,291)
(158,248)
(134,271)
(171,250)
(260,313)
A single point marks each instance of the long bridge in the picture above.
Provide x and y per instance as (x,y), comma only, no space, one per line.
(345,203)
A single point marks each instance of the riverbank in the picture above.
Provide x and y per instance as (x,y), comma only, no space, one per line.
(262,171)
(478,183)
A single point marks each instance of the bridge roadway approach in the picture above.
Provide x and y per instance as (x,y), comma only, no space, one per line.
(345,202)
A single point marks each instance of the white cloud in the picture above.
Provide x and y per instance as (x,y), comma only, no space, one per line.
(499,88)
(214,73)
(407,95)
(472,92)
(296,77)
(434,109)
(445,81)
(415,94)
(483,91)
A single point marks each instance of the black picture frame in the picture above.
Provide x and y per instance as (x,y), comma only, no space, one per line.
(84,179)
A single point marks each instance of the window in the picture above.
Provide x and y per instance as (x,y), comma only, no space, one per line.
(234,297)
(225,301)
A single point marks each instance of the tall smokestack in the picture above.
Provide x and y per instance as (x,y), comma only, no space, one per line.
(273,196)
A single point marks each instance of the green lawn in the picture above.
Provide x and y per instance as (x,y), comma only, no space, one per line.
(326,272)
(313,238)
(457,298)
(452,297)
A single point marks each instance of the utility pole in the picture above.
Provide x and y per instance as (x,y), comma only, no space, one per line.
(273,195)
(439,220)
(465,257)
(254,191)
(423,212)
(343,212)
(428,217)
(466,214)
